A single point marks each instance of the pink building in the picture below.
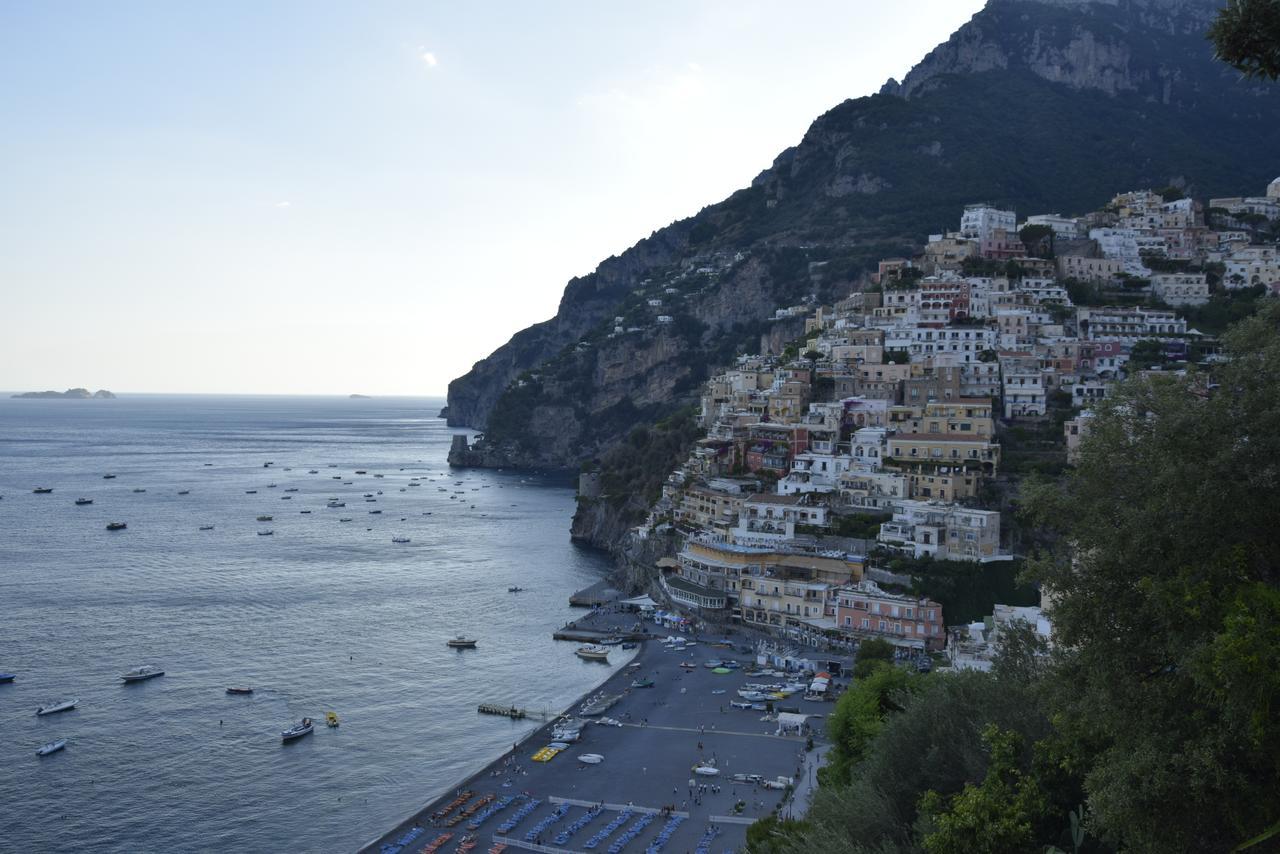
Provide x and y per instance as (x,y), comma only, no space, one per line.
(866,611)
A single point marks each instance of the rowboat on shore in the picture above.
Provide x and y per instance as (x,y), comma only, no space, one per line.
(592,653)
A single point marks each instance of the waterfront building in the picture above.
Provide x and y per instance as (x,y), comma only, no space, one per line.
(863,610)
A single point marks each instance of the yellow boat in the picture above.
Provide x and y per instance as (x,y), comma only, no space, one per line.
(546,754)
(331,718)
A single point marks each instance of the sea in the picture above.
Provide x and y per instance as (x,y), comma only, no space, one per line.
(321,615)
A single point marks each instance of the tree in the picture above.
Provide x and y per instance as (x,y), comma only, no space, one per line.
(1246,36)
(997,816)
(1166,678)
(857,719)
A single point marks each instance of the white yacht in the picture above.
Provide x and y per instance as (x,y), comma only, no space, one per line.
(138,674)
(54,708)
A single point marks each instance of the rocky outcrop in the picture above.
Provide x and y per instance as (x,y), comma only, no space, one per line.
(1084,44)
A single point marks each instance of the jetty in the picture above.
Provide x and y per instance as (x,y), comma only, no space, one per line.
(505,711)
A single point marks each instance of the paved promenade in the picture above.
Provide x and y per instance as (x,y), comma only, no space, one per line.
(683,721)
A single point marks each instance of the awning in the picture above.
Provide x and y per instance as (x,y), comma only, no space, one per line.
(791,719)
(640,602)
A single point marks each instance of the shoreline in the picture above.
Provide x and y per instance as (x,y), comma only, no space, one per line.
(443,796)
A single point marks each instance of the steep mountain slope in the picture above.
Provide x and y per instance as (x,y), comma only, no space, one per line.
(1044,105)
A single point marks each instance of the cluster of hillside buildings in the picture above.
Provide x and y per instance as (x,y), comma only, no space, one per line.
(888,412)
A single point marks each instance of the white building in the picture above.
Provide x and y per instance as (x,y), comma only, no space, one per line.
(1024,394)
(1063,227)
(1252,265)
(975,646)
(980,221)
(943,531)
(1180,288)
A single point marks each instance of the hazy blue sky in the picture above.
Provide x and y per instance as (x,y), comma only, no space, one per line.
(369,196)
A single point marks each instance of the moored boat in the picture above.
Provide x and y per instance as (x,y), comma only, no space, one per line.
(239,690)
(80,502)
(515,589)
(399,539)
(305,727)
(54,708)
(51,747)
(7,677)
(265,533)
(42,490)
(461,642)
(206,527)
(591,758)
(140,674)
(116,526)
(108,477)
(331,719)
(592,653)
(265,518)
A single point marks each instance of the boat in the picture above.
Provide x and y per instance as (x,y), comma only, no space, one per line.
(265,533)
(108,477)
(206,527)
(515,589)
(116,526)
(630,645)
(346,519)
(305,512)
(51,747)
(331,719)
(361,471)
(305,727)
(184,492)
(251,492)
(706,770)
(592,653)
(54,708)
(399,539)
(336,504)
(374,512)
(42,490)
(239,690)
(313,471)
(591,758)
(264,519)
(139,489)
(6,678)
(611,641)
(138,674)
(642,683)
(80,502)
(461,642)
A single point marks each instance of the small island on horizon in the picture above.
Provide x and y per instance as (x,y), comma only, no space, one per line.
(359,397)
(69,394)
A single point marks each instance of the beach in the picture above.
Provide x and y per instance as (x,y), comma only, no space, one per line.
(683,721)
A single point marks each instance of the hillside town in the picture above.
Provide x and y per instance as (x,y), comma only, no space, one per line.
(886,437)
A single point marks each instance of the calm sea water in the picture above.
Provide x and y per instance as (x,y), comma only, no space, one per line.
(322,615)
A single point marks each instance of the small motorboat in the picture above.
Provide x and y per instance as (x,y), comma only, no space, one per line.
(336,504)
(139,489)
(116,526)
(361,471)
(304,727)
(461,642)
(206,527)
(239,690)
(515,589)
(611,641)
(42,490)
(251,492)
(54,708)
(265,519)
(140,674)
(630,645)
(592,653)
(591,758)
(345,519)
(6,678)
(399,539)
(374,512)
(51,747)
(642,683)
(80,502)
(688,665)
(331,719)
(313,471)
(305,512)
(184,492)
(108,477)
(265,533)
(292,488)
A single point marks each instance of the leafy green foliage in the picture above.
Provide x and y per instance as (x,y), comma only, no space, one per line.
(1246,35)
(859,715)
(1165,612)
(994,817)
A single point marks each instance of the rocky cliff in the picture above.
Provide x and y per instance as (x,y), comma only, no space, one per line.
(1043,105)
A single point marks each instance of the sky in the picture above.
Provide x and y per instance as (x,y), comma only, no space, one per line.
(368,197)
